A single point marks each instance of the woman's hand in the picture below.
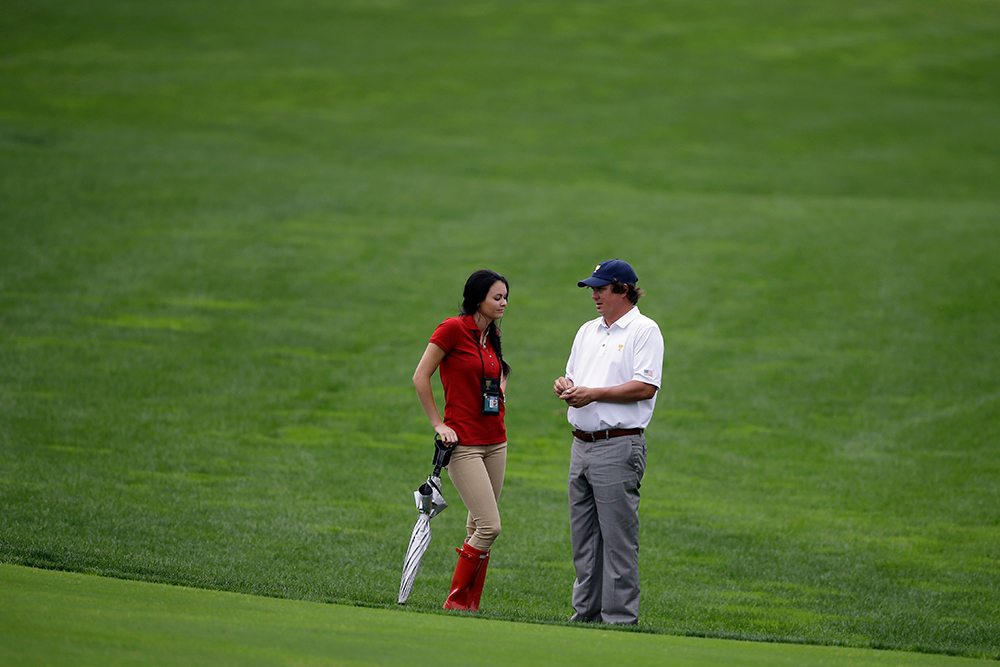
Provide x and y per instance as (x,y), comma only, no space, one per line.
(447,433)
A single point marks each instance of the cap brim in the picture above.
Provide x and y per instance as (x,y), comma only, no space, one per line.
(593,282)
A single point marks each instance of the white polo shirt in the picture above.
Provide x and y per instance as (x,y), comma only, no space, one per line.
(630,349)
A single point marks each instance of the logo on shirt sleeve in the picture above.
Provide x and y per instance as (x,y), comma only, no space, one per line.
(648,373)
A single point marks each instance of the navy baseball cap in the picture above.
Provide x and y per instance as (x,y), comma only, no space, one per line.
(610,271)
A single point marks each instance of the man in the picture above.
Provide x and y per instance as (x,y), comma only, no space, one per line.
(612,376)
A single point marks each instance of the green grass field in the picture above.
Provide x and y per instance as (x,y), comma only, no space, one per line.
(60,618)
(228,230)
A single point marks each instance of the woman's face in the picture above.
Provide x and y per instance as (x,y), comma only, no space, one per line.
(495,302)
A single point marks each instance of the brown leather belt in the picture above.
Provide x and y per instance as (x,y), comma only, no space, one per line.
(594,436)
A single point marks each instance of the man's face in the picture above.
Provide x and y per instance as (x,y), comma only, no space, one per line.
(610,305)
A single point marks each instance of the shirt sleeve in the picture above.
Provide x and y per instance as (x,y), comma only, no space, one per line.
(647,362)
(446,334)
(571,362)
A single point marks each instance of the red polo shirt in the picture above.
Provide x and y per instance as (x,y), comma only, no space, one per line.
(462,379)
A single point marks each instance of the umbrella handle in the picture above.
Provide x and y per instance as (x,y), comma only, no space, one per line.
(442,454)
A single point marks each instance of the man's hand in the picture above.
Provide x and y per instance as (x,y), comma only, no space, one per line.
(577,397)
(561,385)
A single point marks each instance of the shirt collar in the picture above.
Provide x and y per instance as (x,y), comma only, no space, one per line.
(622,321)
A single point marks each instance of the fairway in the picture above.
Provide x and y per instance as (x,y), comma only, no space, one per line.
(54,618)
(228,230)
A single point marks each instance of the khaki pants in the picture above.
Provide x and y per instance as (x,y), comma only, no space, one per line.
(477,472)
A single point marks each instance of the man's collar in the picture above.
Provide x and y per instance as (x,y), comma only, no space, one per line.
(625,319)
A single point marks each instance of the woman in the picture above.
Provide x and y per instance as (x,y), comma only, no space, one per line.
(474,375)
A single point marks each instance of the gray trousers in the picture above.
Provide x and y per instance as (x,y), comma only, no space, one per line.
(604,481)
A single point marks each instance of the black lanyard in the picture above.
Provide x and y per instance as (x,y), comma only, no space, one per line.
(479,348)
(491,386)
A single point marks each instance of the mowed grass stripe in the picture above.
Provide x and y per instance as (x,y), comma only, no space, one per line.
(74,619)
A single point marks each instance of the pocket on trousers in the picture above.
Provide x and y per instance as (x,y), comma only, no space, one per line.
(637,460)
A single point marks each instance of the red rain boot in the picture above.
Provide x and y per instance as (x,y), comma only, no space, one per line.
(470,562)
(477,588)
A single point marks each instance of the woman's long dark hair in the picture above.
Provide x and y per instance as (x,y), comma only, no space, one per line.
(477,287)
